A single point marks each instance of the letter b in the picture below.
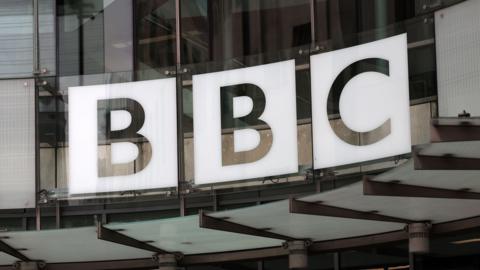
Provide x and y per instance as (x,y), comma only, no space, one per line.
(245,123)
(106,120)
(108,137)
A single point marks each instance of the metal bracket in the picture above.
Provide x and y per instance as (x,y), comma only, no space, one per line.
(116,237)
(311,208)
(220,224)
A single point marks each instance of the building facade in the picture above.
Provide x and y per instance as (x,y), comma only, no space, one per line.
(239,134)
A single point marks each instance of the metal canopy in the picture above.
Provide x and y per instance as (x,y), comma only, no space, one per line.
(447,156)
(424,189)
(457,180)
(69,245)
(184,234)
(350,215)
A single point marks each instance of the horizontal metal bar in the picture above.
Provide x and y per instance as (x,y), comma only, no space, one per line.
(311,208)
(457,225)
(235,256)
(447,162)
(421,43)
(116,237)
(4,247)
(454,129)
(376,188)
(220,224)
(146,263)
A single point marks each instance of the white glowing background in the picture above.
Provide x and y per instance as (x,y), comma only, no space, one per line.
(278,83)
(158,100)
(366,102)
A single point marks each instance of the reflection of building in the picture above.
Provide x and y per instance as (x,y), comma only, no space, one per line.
(339,221)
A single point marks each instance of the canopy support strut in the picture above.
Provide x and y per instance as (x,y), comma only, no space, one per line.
(319,209)
(221,224)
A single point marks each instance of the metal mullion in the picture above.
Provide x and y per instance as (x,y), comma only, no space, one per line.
(36,69)
(180,139)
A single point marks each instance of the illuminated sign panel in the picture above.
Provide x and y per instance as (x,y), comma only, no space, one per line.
(122,136)
(227,97)
(369,86)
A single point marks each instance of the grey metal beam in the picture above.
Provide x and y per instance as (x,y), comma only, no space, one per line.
(4,247)
(376,188)
(116,237)
(253,254)
(146,263)
(454,129)
(446,162)
(357,242)
(221,224)
(319,209)
(456,226)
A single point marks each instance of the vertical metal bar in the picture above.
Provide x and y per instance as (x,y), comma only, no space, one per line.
(36,70)
(182,205)
(180,139)
(215,200)
(36,62)
(177,33)
(104,218)
(337,264)
(134,43)
(38,224)
(260,265)
(57,215)
(24,223)
(411,260)
(312,46)
(312,22)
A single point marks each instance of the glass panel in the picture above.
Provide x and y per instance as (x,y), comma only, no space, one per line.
(17,143)
(458,43)
(215,30)
(185,235)
(94,36)
(16,39)
(239,39)
(57,246)
(343,23)
(47,33)
(97,43)
(154,37)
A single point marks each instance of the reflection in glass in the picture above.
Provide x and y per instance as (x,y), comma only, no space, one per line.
(216,30)
(95,36)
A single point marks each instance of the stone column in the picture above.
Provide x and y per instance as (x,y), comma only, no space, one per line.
(297,254)
(419,238)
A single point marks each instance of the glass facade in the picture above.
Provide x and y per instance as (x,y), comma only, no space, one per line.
(217,36)
(59,44)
